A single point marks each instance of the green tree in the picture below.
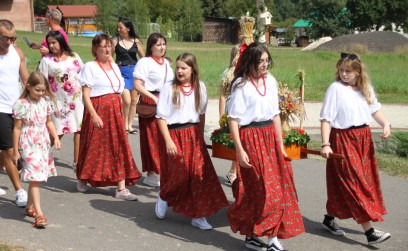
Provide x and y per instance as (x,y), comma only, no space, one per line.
(138,11)
(107,14)
(329,17)
(213,8)
(189,24)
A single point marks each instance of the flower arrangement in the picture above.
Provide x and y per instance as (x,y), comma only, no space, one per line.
(289,102)
(295,136)
(223,135)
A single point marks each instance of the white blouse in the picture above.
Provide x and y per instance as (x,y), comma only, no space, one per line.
(152,73)
(344,107)
(187,112)
(93,76)
(247,105)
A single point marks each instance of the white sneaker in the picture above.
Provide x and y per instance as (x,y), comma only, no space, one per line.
(152,180)
(21,198)
(2,192)
(125,194)
(201,223)
(82,186)
(161,208)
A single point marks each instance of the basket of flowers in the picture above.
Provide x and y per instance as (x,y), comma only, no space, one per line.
(290,105)
(293,140)
(222,144)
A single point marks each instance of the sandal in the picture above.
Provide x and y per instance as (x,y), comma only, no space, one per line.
(230,178)
(40,222)
(30,212)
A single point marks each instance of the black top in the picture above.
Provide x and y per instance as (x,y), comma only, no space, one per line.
(126,57)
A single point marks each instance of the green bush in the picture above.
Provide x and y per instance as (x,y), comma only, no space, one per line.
(397,144)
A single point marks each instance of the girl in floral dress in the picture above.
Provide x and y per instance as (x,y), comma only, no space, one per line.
(62,67)
(31,140)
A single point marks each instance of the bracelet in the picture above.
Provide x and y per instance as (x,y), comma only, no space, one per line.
(325,144)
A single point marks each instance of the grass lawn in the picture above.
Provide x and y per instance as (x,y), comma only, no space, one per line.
(387,70)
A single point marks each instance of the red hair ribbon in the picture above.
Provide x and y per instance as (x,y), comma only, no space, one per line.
(241,51)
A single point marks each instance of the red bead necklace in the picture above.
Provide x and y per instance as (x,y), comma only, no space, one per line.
(256,87)
(115,91)
(157,61)
(186,93)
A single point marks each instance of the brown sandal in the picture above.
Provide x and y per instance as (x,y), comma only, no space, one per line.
(40,221)
(30,212)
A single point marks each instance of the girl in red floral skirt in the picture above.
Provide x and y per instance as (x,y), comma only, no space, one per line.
(265,195)
(353,184)
(188,182)
(105,157)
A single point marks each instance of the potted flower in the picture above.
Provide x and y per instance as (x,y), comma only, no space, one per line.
(222,144)
(293,140)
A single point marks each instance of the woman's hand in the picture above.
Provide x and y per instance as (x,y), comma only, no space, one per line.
(16,157)
(155,99)
(386,131)
(171,148)
(97,122)
(325,152)
(57,144)
(243,159)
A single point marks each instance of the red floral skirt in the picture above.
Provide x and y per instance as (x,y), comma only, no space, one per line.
(188,182)
(150,138)
(353,184)
(265,195)
(105,157)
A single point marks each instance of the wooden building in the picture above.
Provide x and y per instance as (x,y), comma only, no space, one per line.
(77,19)
(20,12)
(221,30)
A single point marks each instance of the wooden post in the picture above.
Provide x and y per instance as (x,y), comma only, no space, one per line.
(302,95)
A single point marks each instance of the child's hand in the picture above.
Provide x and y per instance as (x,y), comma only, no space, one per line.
(16,157)
(57,144)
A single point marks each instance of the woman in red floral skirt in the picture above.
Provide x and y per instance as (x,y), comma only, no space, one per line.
(105,157)
(353,184)
(150,74)
(265,195)
(188,180)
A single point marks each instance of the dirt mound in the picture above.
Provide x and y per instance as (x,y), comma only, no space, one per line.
(378,41)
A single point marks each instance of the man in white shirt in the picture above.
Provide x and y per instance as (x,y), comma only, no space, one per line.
(12,70)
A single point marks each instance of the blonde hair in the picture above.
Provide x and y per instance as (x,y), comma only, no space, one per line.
(37,78)
(190,60)
(362,79)
(55,15)
(226,80)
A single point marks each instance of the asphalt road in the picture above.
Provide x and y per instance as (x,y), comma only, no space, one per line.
(97,221)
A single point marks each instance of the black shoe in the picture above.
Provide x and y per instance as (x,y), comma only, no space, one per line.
(255,244)
(332,226)
(375,236)
(274,247)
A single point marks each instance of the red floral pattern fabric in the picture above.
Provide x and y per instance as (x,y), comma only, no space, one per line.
(188,182)
(353,184)
(105,157)
(150,138)
(265,195)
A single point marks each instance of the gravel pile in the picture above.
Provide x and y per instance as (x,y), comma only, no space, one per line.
(378,41)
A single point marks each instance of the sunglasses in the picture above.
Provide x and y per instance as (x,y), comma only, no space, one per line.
(344,55)
(6,38)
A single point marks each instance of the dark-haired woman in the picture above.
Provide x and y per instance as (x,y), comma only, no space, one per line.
(127,46)
(151,73)
(265,195)
(61,67)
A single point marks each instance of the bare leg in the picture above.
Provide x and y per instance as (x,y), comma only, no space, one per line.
(125,107)
(77,137)
(121,185)
(366,226)
(11,168)
(34,193)
(132,109)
